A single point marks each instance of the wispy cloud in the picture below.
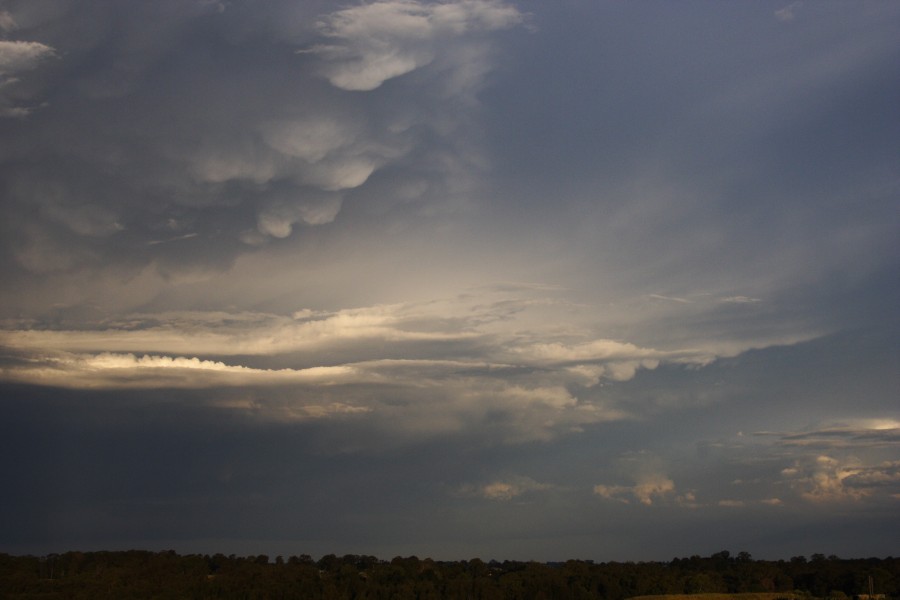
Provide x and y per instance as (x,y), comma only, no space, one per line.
(789,12)
(872,433)
(476,358)
(505,489)
(124,371)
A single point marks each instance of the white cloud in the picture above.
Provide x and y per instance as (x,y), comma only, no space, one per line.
(821,479)
(343,173)
(509,488)
(221,164)
(430,368)
(594,350)
(248,333)
(650,484)
(613,492)
(788,14)
(310,139)
(124,371)
(17,56)
(373,43)
(278,219)
(648,487)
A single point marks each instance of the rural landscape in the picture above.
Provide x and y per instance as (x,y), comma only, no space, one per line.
(721,576)
(323,299)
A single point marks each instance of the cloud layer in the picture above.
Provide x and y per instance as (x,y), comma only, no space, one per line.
(531,280)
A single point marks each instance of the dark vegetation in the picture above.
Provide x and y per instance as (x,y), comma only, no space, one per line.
(164,575)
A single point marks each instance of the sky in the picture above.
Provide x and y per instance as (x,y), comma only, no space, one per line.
(475,278)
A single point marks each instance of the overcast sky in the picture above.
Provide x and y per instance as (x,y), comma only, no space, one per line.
(473,278)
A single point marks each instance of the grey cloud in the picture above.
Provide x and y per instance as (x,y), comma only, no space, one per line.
(886,435)
(886,475)
(7,23)
(529,293)
(178,143)
(17,57)
(432,369)
(478,374)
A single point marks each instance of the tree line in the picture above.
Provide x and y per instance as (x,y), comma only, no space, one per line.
(163,575)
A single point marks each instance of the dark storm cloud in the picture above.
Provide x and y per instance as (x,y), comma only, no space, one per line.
(180,134)
(530,280)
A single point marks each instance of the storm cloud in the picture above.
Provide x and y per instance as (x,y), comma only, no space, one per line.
(464,278)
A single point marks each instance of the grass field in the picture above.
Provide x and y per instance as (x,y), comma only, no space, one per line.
(748,596)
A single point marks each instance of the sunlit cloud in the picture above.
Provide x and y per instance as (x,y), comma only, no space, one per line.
(862,433)
(732,503)
(506,489)
(646,491)
(824,479)
(447,363)
(372,43)
(123,371)
(541,274)
(650,484)
(17,56)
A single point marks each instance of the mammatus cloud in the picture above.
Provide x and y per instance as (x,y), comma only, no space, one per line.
(372,43)
(206,159)
(324,150)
